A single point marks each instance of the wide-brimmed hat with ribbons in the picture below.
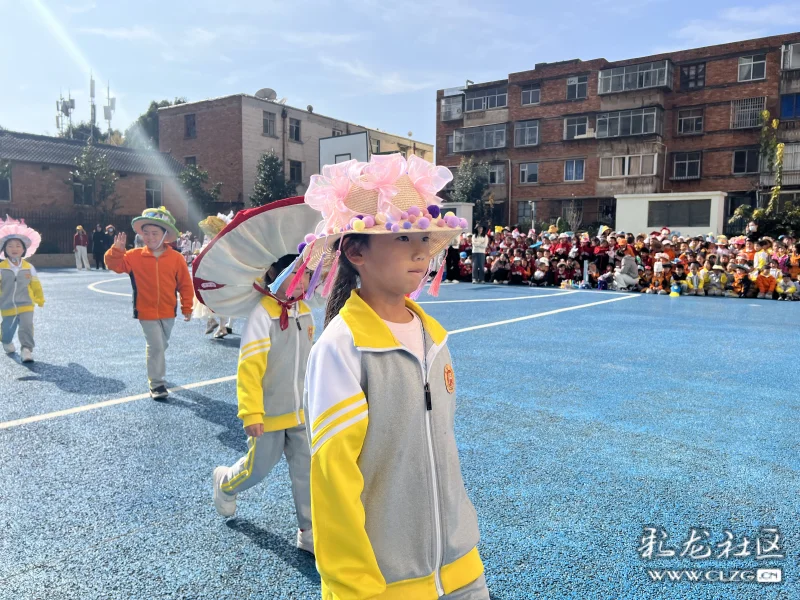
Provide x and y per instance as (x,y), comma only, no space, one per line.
(228,275)
(212,225)
(160,217)
(12,229)
(386,196)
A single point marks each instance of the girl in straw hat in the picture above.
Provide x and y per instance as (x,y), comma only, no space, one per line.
(20,288)
(391,514)
(249,269)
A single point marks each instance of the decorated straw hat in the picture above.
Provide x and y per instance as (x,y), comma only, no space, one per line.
(159,217)
(228,275)
(12,229)
(212,225)
(386,196)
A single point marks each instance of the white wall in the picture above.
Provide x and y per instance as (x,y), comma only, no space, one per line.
(356,145)
(632,210)
(463,210)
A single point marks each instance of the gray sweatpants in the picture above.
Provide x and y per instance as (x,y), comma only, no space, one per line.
(157,334)
(264,454)
(21,324)
(476,590)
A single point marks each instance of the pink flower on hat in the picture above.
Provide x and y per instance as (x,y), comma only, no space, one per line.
(381,174)
(428,179)
(327,192)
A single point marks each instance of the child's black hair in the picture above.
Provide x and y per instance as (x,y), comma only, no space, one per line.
(24,247)
(279,265)
(346,276)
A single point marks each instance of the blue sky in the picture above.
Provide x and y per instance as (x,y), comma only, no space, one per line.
(372,62)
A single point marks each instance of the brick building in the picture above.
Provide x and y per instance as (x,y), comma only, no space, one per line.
(36,186)
(582,135)
(227,137)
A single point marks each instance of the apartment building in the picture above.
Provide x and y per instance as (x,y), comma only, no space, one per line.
(672,137)
(227,136)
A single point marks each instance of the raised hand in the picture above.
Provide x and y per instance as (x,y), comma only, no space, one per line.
(119,240)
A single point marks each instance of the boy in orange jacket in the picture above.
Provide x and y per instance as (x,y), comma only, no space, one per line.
(766,283)
(157,273)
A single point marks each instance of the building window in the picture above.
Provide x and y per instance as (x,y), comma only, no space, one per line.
(294,129)
(746,112)
(531,94)
(153,193)
(573,169)
(376,146)
(497,174)
(450,144)
(636,77)
(337,132)
(686,165)
(679,213)
(487,99)
(791,56)
(575,126)
(639,121)
(529,173)
(480,138)
(268,127)
(753,68)
(745,161)
(5,189)
(82,194)
(690,121)
(189,126)
(693,77)
(790,104)
(190,160)
(636,165)
(577,87)
(524,212)
(295,171)
(526,133)
(452,108)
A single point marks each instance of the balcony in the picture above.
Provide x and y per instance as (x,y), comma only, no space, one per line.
(635,77)
(473,139)
(746,112)
(791,168)
(452,108)
(640,121)
(790,57)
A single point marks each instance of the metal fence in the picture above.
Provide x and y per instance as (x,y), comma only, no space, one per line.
(58,227)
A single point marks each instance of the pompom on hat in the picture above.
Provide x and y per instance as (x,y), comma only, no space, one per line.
(160,217)
(12,229)
(386,196)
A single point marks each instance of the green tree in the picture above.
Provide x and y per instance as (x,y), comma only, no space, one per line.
(143,133)
(202,199)
(271,183)
(470,184)
(83,131)
(98,182)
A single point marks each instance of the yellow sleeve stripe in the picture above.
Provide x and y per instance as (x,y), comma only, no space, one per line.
(337,418)
(360,415)
(335,409)
(253,351)
(255,343)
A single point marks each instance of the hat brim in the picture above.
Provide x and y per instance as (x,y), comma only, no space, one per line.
(172,232)
(30,240)
(238,257)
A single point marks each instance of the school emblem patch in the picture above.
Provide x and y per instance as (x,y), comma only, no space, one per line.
(310,333)
(449,379)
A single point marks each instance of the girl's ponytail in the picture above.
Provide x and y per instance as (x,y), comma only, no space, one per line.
(346,278)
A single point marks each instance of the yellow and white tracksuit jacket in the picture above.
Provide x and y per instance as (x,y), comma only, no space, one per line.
(789,288)
(392,519)
(20,288)
(270,391)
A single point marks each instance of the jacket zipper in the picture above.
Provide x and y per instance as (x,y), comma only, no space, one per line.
(437,517)
(297,364)
(158,290)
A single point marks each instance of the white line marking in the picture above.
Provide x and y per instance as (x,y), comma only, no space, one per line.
(199,384)
(85,407)
(531,297)
(544,314)
(94,289)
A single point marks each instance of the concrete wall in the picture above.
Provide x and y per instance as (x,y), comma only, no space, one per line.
(632,212)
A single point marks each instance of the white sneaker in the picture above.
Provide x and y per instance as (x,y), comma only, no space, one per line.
(9,348)
(305,540)
(221,333)
(224,503)
(27,355)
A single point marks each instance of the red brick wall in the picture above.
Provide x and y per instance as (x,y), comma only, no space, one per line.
(218,145)
(717,142)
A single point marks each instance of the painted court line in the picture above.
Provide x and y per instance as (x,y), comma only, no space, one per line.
(199,384)
(103,404)
(530,297)
(94,289)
